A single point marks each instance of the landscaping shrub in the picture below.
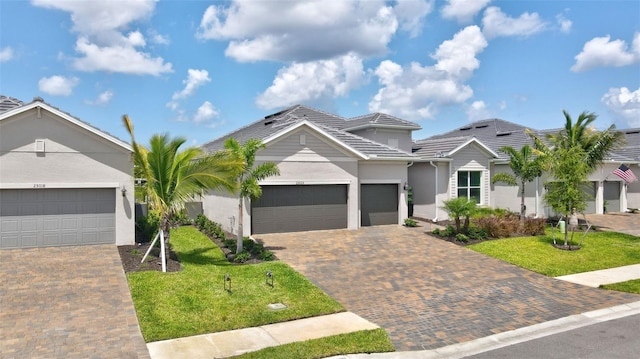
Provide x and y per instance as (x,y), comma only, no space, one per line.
(477,233)
(449,231)
(148,225)
(436,232)
(242,257)
(267,256)
(408,222)
(461,237)
(499,226)
(180,219)
(534,226)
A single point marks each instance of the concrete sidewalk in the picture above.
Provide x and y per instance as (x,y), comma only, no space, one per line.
(605,276)
(236,342)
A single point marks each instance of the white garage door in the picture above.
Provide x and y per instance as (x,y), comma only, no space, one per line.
(56,217)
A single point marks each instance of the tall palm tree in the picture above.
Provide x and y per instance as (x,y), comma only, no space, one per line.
(247,181)
(571,155)
(526,167)
(175,177)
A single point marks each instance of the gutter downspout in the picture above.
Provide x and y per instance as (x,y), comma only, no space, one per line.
(537,197)
(435,218)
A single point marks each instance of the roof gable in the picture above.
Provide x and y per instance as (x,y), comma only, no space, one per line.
(38,104)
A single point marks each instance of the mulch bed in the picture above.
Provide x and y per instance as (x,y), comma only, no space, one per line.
(131,256)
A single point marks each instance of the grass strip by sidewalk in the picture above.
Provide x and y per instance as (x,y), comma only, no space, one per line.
(600,250)
(193,301)
(366,341)
(631,286)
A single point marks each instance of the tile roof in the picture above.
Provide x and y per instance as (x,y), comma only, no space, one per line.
(379,120)
(493,133)
(7,103)
(331,124)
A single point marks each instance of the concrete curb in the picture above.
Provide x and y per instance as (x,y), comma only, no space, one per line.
(511,337)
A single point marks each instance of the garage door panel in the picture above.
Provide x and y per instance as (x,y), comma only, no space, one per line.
(300,208)
(379,204)
(52,217)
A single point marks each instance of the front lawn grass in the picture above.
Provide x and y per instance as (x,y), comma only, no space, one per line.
(366,341)
(632,286)
(600,250)
(193,301)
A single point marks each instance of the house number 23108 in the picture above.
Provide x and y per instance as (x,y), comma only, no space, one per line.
(38,185)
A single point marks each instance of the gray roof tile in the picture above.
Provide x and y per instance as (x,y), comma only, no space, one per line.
(8,103)
(379,120)
(329,123)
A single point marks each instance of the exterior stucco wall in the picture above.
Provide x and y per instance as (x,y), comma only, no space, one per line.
(422,177)
(387,172)
(508,197)
(73,158)
(316,161)
(384,135)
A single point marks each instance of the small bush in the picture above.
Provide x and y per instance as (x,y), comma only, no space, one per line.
(408,222)
(242,257)
(500,226)
(148,226)
(436,232)
(534,226)
(461,237)
(449,231)
(180,219)
(477,233)
(267,256)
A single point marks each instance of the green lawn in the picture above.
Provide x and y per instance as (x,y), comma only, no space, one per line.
(632,286)
(366,341)
(600,250)
(193,301)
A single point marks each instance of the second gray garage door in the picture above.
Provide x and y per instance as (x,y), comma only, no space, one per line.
(378,204)
(56,217)
(299,208)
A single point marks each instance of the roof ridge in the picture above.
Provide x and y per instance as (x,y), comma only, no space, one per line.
(350,134)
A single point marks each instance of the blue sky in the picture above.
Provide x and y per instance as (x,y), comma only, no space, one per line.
(200,69)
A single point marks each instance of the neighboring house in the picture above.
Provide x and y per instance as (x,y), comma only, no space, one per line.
(462,162)
(62,181)
(334,172)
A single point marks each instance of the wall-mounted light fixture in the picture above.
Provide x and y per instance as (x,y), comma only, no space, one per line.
(124,191)
(406,186)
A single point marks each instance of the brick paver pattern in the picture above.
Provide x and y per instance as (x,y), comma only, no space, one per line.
(67,302)
(428,293)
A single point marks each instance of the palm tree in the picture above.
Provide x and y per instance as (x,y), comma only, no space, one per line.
(248,180)
(570,156)
(175,177)
(525,166)
(460,207)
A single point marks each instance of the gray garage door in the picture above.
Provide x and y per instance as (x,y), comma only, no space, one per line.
(56,217)
(299,208)
(379,204)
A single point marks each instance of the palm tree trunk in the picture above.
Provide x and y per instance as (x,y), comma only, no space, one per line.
(523,209)
(239,237)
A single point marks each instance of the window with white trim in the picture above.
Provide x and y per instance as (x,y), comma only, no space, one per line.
(469,185)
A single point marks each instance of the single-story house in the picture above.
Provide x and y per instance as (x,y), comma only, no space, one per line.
(350,172)
(62,181)
(334,172)
(462,162)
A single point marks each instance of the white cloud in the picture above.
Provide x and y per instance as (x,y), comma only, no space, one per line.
(463,11)
(205,113)
(58,85)
(564,23)
(313,81)
(157,38)
(102,42)
(195,79)
(6,54)
(602,52)
(416,92)
(496,23)
(624,104)
(103,99)
(309,30)
(477,111)
(121,59)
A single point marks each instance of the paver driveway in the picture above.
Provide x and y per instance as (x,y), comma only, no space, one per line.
(428,293)
(67,302)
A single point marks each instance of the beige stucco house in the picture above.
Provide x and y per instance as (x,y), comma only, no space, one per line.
(334,172)
(62,181)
